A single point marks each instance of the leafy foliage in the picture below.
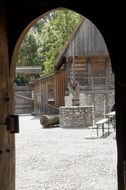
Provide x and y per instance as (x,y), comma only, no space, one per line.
(28,51)
(45,39)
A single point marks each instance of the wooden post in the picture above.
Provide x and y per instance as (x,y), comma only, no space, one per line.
(93,94)
(73,61)
(104,106)
(93,115)
(73,86)
(7,148)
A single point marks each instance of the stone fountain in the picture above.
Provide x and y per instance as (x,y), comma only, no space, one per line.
(75,116)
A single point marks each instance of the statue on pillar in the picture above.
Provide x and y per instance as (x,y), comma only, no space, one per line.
(74,89)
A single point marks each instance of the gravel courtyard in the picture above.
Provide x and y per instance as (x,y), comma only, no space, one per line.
(64,159)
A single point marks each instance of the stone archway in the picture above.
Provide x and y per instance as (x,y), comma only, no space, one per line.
(17,46)
(108,20)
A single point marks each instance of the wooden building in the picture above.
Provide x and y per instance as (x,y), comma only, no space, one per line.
(86,59)
(23,92)
(48,93)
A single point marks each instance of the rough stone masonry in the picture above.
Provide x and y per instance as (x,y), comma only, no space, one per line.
(75,116)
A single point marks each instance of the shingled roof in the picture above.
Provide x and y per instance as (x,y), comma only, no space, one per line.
(28,69)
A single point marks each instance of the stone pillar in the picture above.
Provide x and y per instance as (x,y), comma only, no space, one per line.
(75,101)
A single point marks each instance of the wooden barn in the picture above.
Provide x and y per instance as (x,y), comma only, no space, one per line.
(23,93)
(87,61)
(48,93)
(84,58)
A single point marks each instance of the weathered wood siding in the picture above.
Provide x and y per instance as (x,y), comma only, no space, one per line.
(22,104)
(48,93)
(87,41)
(87,57)
(7,140)
(90,70)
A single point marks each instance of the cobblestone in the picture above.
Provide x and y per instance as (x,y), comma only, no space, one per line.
(63,159)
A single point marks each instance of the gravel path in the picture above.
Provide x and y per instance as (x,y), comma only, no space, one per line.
(63,159)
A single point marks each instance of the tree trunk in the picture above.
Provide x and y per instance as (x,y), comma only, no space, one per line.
(49,120)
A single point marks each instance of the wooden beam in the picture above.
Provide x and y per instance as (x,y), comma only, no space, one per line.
(23,97)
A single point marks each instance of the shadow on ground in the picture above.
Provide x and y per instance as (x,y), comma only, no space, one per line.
(99,137)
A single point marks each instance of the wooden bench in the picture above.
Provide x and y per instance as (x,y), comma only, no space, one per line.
(112,119)
(101,123)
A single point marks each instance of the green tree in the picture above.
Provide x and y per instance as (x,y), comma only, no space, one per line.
(28,53)
(54,35)
(44,41)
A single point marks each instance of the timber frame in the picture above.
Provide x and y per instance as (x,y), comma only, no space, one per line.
(16,18)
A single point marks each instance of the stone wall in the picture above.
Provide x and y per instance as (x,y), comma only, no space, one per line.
(75,116)
(101,101)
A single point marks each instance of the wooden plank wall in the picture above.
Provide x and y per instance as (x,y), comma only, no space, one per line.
(48,89)
(7,140)
(78,69)
(23,105)
(87,41)
(90,70)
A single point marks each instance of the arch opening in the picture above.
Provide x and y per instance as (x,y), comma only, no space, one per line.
(98,67)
